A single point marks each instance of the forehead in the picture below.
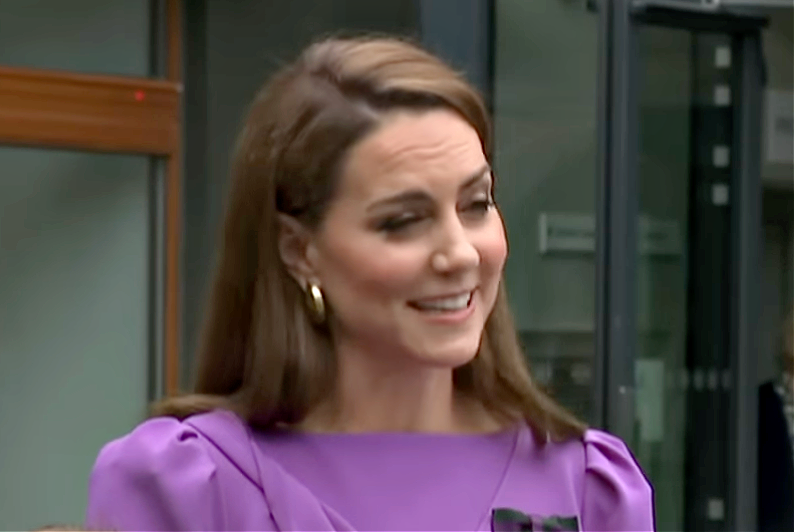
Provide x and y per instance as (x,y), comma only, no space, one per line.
(411,149)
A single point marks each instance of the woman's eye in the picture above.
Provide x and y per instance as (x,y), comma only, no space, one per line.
(481,206)
(398,223)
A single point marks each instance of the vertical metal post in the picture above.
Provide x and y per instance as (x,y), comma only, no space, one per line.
(618,175)
(156,279)
(746,224)
(158,55)
(603,110)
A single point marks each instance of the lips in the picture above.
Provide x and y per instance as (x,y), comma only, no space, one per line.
(450,303)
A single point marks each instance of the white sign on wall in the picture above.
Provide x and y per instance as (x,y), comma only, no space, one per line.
(566,232)
(575,233)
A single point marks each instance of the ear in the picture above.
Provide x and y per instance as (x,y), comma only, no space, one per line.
(296,249)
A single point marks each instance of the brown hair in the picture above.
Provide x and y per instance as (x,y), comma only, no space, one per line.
(260,355)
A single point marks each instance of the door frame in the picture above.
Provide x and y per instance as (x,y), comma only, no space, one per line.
(617,222)
(121,114)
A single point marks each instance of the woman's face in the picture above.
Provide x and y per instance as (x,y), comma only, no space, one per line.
(411,250)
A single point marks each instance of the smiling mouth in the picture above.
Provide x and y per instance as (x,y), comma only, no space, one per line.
(444,304)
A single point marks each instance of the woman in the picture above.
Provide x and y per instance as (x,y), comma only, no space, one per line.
(776,444)
(359,368)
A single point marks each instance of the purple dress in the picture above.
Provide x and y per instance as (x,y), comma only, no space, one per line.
(212,472)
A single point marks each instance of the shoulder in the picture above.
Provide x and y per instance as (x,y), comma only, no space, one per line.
(609,462)
(165,445)
(150,445)
(616,493)
(165,474)
(594,477)
(161,447)
(155,477)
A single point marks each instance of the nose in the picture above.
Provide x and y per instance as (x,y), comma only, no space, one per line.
(455,250)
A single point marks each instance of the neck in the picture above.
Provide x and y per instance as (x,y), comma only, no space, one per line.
(375,393)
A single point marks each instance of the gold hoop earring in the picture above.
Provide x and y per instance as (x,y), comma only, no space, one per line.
(316,303)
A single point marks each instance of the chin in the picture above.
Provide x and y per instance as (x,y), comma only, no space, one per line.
(452,355)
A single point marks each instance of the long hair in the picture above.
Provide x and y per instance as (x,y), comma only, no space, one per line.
(260,355)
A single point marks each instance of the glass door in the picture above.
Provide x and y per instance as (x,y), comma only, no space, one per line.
(680,388)
(683,280)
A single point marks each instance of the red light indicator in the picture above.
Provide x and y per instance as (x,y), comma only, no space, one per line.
(139,96)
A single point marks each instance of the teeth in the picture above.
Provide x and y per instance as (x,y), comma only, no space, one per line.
(449,303)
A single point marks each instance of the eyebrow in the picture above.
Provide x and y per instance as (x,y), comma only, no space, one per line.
(420,195)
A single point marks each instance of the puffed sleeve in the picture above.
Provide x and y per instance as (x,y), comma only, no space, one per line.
(617,495)
(158,477)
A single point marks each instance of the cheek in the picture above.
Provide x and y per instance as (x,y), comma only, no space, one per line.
(492,245)
(371,268)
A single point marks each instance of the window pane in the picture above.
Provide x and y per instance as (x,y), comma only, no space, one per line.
(545,114)
(74,302)
(664,182)
(96,36)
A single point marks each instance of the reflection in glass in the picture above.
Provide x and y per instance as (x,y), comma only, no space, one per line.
(545,119)
(664,183)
